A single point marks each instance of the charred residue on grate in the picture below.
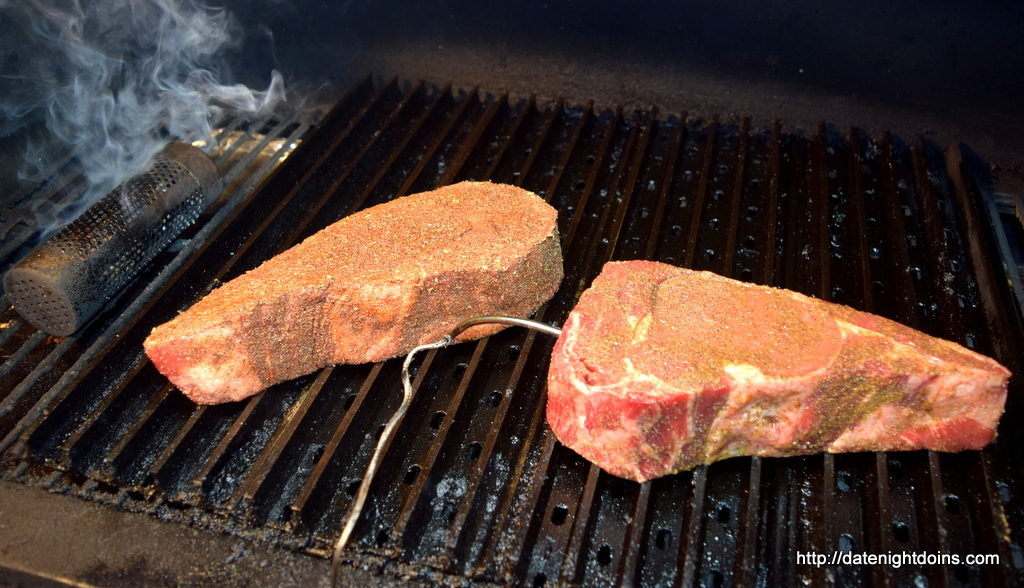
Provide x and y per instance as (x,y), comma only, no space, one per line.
(475,485)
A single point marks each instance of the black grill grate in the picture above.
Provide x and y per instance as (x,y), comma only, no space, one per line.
(475,485)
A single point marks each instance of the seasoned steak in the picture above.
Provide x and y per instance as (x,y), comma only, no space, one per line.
(659,369)
(371,286)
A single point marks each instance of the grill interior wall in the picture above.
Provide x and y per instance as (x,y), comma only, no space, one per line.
(475,483)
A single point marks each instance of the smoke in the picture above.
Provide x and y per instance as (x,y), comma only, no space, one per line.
(116,80)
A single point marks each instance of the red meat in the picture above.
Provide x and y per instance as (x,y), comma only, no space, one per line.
(371,286)
(659,369)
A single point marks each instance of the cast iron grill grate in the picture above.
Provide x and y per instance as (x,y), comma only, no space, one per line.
(475,485)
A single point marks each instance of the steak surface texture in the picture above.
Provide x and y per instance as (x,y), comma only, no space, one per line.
(660,369)
(366,288)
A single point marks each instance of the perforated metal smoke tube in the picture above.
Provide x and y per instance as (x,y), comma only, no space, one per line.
(68,278)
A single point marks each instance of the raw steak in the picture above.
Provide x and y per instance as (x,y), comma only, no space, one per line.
(659,369)
(371,286)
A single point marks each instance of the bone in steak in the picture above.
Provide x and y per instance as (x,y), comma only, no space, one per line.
(368,287)
(659,369)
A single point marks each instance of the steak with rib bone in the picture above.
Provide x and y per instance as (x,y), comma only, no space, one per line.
(660,369)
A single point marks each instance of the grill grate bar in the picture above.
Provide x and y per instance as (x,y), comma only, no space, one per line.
(172,446)
(994,521)
(937,254)
(690,555)
(526,347)
(429,459)
(18,357)
(900,263)
(10,414)
(770,271)
(215,457)
(638,144)
(736,199)
(512,384)
(241,169)
(392,123)
(105,469)
(298,506)
(62,453)
(310,213)
(571,562)
(443,135)
(823,524)
(472,140)
(426,462)
(63,170)
(224,135)
(257,475)
(414,499)
(690,254)
(857,195)
(745,570)
(513,130)
(629,568)
(938,513)
(522,354)
(665,182)
(619,184)
(569,234)
(715,499)
(506,550)
(331,527)
(822,194)
(501,547)
(752,527)
(47,436)
(935,524)
(51,209)
(607,234)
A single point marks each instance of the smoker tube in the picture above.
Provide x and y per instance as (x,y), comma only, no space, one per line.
(68,278)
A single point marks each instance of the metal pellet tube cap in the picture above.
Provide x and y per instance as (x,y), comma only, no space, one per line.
(68,278)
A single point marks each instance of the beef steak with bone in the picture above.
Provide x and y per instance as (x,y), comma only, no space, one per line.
(659,369)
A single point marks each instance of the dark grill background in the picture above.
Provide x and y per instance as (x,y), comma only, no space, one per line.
(475,484)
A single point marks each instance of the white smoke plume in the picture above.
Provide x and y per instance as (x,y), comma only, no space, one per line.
(118,79)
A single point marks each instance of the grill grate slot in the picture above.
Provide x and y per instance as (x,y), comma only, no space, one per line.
(475,485)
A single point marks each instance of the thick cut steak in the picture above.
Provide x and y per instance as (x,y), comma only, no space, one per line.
(370,286)
(659,369)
